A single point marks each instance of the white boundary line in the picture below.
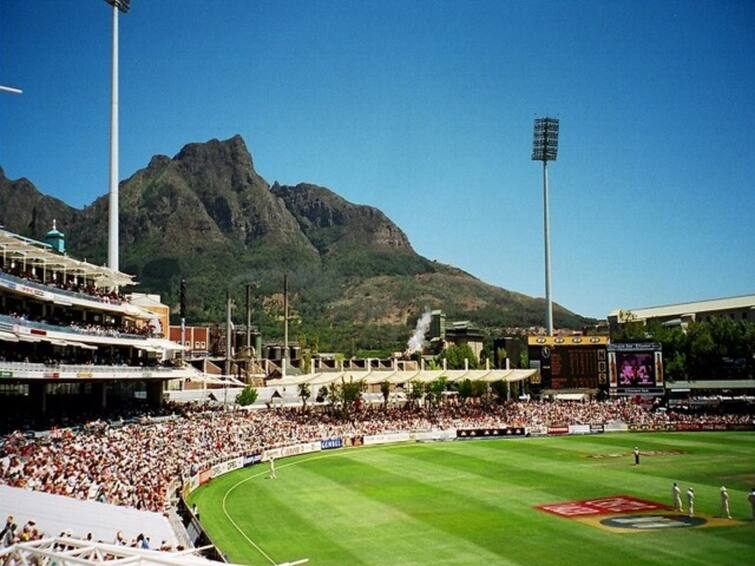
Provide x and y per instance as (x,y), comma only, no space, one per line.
(337,452)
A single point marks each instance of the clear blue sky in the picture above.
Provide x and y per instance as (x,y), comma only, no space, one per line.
(425,109)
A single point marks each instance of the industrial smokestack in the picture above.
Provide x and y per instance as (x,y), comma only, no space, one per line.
(228,331)
(285,317)
(248,317)
(183,318)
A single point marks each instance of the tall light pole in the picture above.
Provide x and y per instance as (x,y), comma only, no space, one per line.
(112,246)
(545,148)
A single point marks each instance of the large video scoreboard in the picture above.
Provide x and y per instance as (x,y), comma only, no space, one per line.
(570,362)
(635,368)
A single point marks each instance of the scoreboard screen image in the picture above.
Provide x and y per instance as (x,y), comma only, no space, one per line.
(570,362)
(635,368)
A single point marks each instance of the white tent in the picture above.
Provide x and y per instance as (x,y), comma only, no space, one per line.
(400,377)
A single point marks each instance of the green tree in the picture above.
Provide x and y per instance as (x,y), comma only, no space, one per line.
(501,355)
(247,396)
(499,389)
(304,393)
(480,390)
(524,358)
(351,393)
(385,390)
(465,390)
(701,353)
(416,391)
(456,354)
(435,389)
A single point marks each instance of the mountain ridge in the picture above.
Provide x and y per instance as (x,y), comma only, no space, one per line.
(206,214)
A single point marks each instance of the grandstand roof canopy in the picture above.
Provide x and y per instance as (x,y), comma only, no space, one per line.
(681,309)
(65,551)
(54,514)
(38,253)
(399,377)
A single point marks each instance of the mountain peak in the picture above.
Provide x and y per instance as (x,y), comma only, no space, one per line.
(231,153)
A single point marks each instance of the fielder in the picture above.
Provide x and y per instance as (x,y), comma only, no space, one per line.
(751,499)
(725,503)
(691,501)
(676,495)
(636,452)
(272,475)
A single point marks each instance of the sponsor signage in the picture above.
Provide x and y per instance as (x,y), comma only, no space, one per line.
(6,373)
(385,438)
(597,428)
(251,459)
(84,374)
(579,429)
(331,443)
(205,476)
(52,375)
(194,482)
(627,514)
(602,506)
(653,521)
(616,426)
(433,435)
(490,432)
(556,430)
(741,426)
(293,450)
(537,430)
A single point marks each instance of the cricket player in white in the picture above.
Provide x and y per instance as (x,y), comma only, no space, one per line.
(272,475)
(691,501)
(676,495)
(725,503)
(751,499)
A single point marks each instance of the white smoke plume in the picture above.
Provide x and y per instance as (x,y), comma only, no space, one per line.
(417,341)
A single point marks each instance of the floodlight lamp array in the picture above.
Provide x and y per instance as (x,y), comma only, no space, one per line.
(545,143)
(123,5)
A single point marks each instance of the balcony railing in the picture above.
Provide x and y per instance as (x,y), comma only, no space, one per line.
(55,289)
(68,329)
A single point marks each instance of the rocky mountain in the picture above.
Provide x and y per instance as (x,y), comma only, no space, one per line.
(206,215)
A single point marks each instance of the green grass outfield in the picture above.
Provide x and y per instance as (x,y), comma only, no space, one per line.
(472,502)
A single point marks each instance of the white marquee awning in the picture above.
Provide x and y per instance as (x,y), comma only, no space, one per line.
(400,377)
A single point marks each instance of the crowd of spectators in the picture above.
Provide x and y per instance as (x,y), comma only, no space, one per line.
(135,464)
(70,283)
(11,534)
(123,329)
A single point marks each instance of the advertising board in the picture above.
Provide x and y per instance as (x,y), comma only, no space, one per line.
(331,443)
(293,450)
(386,438)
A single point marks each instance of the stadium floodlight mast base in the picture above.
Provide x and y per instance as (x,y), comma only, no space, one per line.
(545,148)
(112,249)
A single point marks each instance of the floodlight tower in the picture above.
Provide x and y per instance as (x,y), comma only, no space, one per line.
(545,148)
(112,246)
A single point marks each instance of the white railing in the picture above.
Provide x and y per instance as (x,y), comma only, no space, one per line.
(24,370)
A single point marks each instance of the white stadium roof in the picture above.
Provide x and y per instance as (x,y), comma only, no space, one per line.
(55,514)
(398,377)
(681,309)
(38,253)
